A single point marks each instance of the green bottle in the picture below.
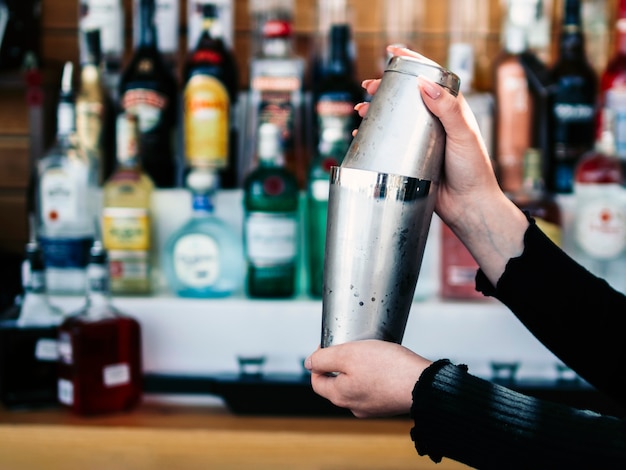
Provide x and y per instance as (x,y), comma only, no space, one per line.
(331,151)
(271,220)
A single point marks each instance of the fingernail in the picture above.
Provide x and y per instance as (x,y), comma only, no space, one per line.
(358,106)
(430,88)
(308,364)
(365,83)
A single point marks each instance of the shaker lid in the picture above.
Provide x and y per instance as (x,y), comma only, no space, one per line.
(415,66)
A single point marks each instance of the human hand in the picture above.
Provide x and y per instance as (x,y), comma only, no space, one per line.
(375,378)
(469,198)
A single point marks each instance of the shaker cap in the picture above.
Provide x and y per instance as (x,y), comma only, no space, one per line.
(436,73)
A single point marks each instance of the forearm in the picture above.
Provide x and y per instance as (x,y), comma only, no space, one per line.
(485,425)
(493,232)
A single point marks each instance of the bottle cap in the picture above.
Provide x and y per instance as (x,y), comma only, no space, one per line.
(270,145)
(202,180)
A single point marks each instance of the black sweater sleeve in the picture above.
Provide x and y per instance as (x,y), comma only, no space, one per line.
(488,426)
(575,314)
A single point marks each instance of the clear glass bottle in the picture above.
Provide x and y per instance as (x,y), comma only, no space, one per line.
(573,104)
(28,340)
(209,102)
(126,215)
(271,198)
(67,184)
(100,362)
(94,110)
(149,89)
(204,257)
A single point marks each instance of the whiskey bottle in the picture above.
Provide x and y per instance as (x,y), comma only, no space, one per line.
(573,104)
(126,215)
(28,340)
(67,184)
(209,102)
(204,257)
(271,221)
(148,89)
(100,363)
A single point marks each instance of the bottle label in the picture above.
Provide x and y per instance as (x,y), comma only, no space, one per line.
(320,190)
(66,392)
(128,265)
(574,126)
(60,198)
(65,253)
(197,260)
(147,104)
(64,348)
(207,122)
(125,228)
(47,349)
(271,238)
(336,118)
(600,228)
(115,375)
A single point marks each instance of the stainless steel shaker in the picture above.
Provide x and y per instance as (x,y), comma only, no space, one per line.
(380,206)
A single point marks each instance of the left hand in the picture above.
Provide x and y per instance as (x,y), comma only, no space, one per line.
(375,378)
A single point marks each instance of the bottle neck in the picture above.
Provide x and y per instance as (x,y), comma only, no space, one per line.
(339,57)
(97,292)
(147,28)
(572,40)
(66,119)
(201,204)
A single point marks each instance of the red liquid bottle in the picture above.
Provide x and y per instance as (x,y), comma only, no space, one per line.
(614,75)
(100,350)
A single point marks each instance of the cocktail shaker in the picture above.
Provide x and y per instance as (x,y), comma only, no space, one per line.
(380,206)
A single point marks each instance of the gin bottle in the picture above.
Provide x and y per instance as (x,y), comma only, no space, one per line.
(271,221)
(126,214)
(66,200)
(204,257)
(100,364)
(28,340)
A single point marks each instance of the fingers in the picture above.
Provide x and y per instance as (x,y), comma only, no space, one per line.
(371,85)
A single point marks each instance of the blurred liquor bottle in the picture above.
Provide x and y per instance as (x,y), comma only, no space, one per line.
(28,339)
(126,213)
(599,228)
(100,363)
(204,257)
(533,197)
(513,103)
(107,16)
(225,12)
(67,184)
(276,87)
(167,27)
(148,89)
(573,106)
(95,110)
(209,102)
(271,232)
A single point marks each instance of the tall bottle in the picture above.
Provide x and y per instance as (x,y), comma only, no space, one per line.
(338,92)
(533,197)
(204,257)
(276,88)
(66,200)
(599,228)
(330,152)
(28,339)
(513,108)
(271,197)
(126,214)
(574,101)
(100,362)
(148,89)
(94,110)
(613,79)
(209,102)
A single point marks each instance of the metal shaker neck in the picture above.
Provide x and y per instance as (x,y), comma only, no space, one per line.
(416,67)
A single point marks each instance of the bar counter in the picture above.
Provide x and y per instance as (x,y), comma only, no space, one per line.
(170,435)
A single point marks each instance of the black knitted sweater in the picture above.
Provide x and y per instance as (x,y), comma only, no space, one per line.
(576,315)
